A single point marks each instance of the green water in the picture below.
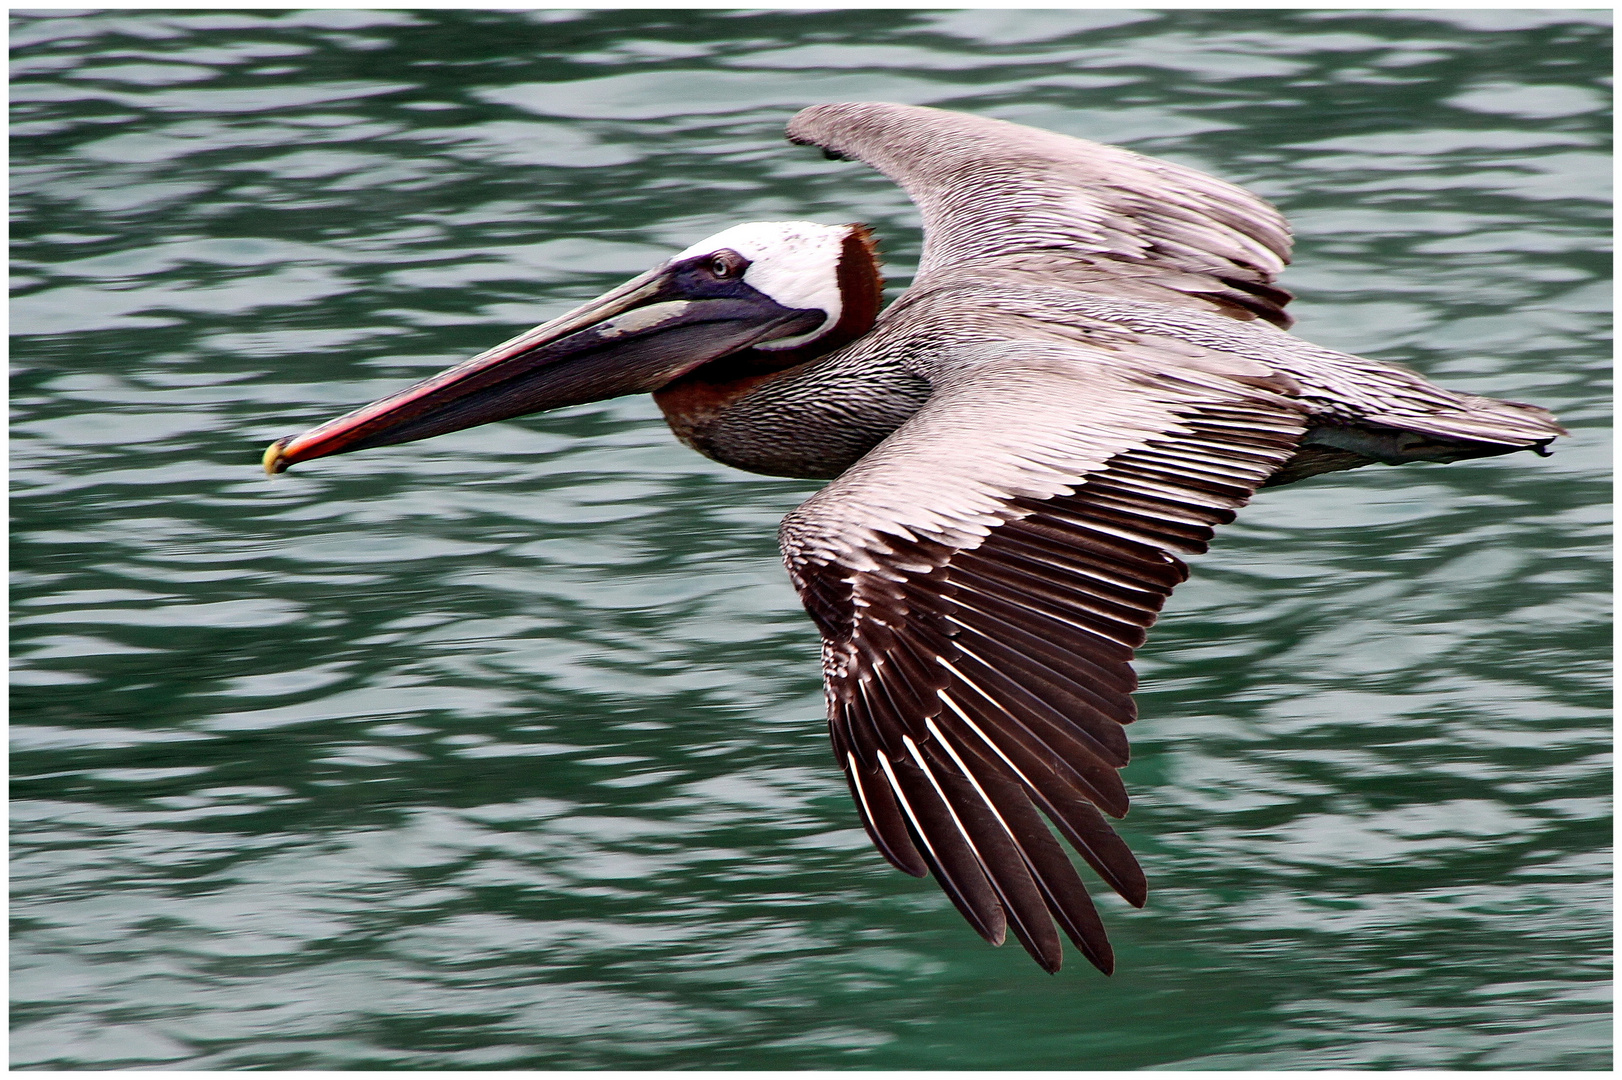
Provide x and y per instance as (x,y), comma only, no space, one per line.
(505,750)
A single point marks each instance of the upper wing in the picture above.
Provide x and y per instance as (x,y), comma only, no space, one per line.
(981,579)
(1003,198)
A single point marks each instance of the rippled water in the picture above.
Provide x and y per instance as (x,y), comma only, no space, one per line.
(505,749)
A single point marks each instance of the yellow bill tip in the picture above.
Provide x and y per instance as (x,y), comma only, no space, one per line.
(273,460)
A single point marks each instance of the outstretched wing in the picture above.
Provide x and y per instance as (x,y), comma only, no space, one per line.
(981,579)
(1000,198)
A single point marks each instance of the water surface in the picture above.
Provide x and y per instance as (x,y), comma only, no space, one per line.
(505,750)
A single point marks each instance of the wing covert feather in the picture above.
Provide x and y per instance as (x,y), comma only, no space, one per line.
(1003,198)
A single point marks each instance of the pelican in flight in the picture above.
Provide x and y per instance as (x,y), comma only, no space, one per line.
(1090,371)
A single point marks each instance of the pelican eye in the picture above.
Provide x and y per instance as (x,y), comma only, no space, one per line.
(727,264)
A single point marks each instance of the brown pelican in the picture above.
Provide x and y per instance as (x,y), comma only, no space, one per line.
(1089,372)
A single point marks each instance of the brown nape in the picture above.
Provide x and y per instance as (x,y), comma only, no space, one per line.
(861,291)
(692,402)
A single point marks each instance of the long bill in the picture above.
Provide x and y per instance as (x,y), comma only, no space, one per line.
(632,339)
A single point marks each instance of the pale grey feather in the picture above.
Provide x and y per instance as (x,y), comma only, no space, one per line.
(1003,198)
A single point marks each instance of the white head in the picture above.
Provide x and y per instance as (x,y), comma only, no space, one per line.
(795,263)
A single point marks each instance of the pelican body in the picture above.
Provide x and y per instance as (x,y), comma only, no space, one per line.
(1090,371)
